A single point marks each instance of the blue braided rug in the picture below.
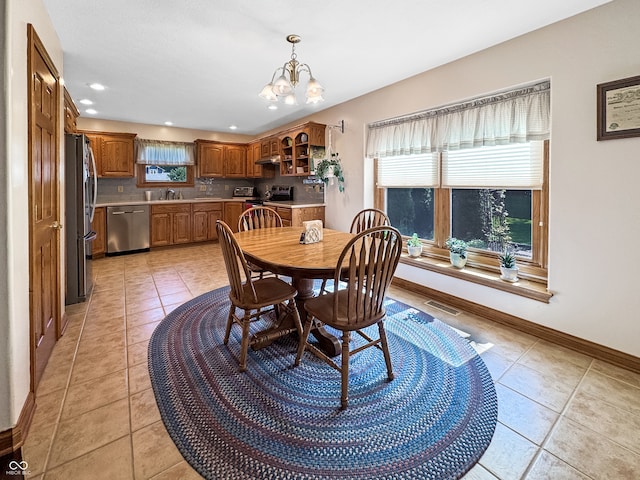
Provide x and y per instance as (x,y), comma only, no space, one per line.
(434,421)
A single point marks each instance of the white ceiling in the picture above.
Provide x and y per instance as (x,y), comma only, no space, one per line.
(201,63)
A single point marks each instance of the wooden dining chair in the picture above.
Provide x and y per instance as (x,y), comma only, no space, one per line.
(254,297)
(364,219)
(368,262)
(368,218)
(258,217)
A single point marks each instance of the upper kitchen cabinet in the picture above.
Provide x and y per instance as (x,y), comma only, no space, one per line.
(255,151)
(113,153)
(71,113)
(298,146)
(216,159)
(270,146)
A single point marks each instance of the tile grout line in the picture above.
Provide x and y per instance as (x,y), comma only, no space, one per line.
(126,362)
(554,427)
(67,385)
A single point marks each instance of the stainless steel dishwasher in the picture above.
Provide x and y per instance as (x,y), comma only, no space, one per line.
(127,228)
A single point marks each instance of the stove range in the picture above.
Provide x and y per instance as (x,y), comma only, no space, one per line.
(281,193)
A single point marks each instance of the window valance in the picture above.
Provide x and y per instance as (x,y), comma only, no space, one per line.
(159,152)
(517,116)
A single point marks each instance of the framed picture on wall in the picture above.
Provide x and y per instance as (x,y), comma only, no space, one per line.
(619,109)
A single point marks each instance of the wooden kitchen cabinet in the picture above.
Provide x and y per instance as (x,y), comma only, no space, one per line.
(298,146)
(170,224)
(254,153)
(299,215)
(270,146)
(217,159)
(293,217)
(113,153)
(99,225)
(210,158)
(235,160)
(232,212)
(205,216)
(71,113)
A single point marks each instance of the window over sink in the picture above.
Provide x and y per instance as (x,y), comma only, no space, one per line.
(162,163)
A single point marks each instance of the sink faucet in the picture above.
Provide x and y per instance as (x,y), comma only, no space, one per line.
(171,194)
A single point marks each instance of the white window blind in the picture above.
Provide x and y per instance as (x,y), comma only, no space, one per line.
(408,171)
(514,166)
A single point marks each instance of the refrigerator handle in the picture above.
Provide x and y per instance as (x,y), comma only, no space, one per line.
(95,185)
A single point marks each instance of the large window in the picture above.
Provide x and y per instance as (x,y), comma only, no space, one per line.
(476,171)
(490,219)
(161,163)
(411,210)
(494,220)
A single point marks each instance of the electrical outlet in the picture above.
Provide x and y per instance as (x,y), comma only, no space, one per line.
(120,189)
(226,188)
(203,188)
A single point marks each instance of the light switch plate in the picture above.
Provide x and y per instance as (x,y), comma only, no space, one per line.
(120,189)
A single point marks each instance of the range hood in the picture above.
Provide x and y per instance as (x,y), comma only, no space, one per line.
(272,160)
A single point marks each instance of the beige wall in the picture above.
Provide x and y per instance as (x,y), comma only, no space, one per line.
(594,209)
(158,132)
(20,13)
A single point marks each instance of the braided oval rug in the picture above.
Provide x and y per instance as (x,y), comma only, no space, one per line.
(433,421)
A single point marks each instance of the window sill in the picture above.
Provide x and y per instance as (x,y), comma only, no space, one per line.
(525,288)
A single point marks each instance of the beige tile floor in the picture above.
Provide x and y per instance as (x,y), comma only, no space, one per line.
(562,415)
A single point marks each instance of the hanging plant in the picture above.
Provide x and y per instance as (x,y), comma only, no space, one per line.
(328,168)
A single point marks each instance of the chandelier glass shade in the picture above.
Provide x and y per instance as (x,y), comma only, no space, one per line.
(284,80)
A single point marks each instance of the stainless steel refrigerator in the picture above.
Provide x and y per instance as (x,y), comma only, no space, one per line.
(81,189)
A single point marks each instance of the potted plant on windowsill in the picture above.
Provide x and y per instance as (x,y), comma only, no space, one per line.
(329,169)
(457,251)
(414,246)
(508,268)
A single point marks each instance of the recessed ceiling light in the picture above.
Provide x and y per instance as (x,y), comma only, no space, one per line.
(233,127)
(91,111)
(168,124)
(272,106)
(86,101)
(96,86)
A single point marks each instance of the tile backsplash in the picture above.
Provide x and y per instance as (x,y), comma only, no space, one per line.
(108,189)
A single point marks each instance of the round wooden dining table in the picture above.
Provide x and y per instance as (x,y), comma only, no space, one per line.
(279,250)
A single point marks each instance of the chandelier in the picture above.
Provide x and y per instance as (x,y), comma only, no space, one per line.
(284,85)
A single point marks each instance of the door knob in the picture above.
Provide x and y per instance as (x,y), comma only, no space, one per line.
(56,226)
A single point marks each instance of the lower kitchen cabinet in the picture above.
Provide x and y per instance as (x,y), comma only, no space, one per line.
(293,217)
(232,212)
(170,224)
(205,216)
(99,225)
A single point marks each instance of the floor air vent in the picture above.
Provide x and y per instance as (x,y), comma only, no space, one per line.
(444,308)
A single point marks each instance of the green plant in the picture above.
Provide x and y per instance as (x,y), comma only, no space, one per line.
(328,166)
(455,245)
(507,260)
(414,241)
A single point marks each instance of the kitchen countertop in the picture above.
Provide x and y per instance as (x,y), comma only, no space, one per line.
(161,202)
(286,204)
(291,204)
